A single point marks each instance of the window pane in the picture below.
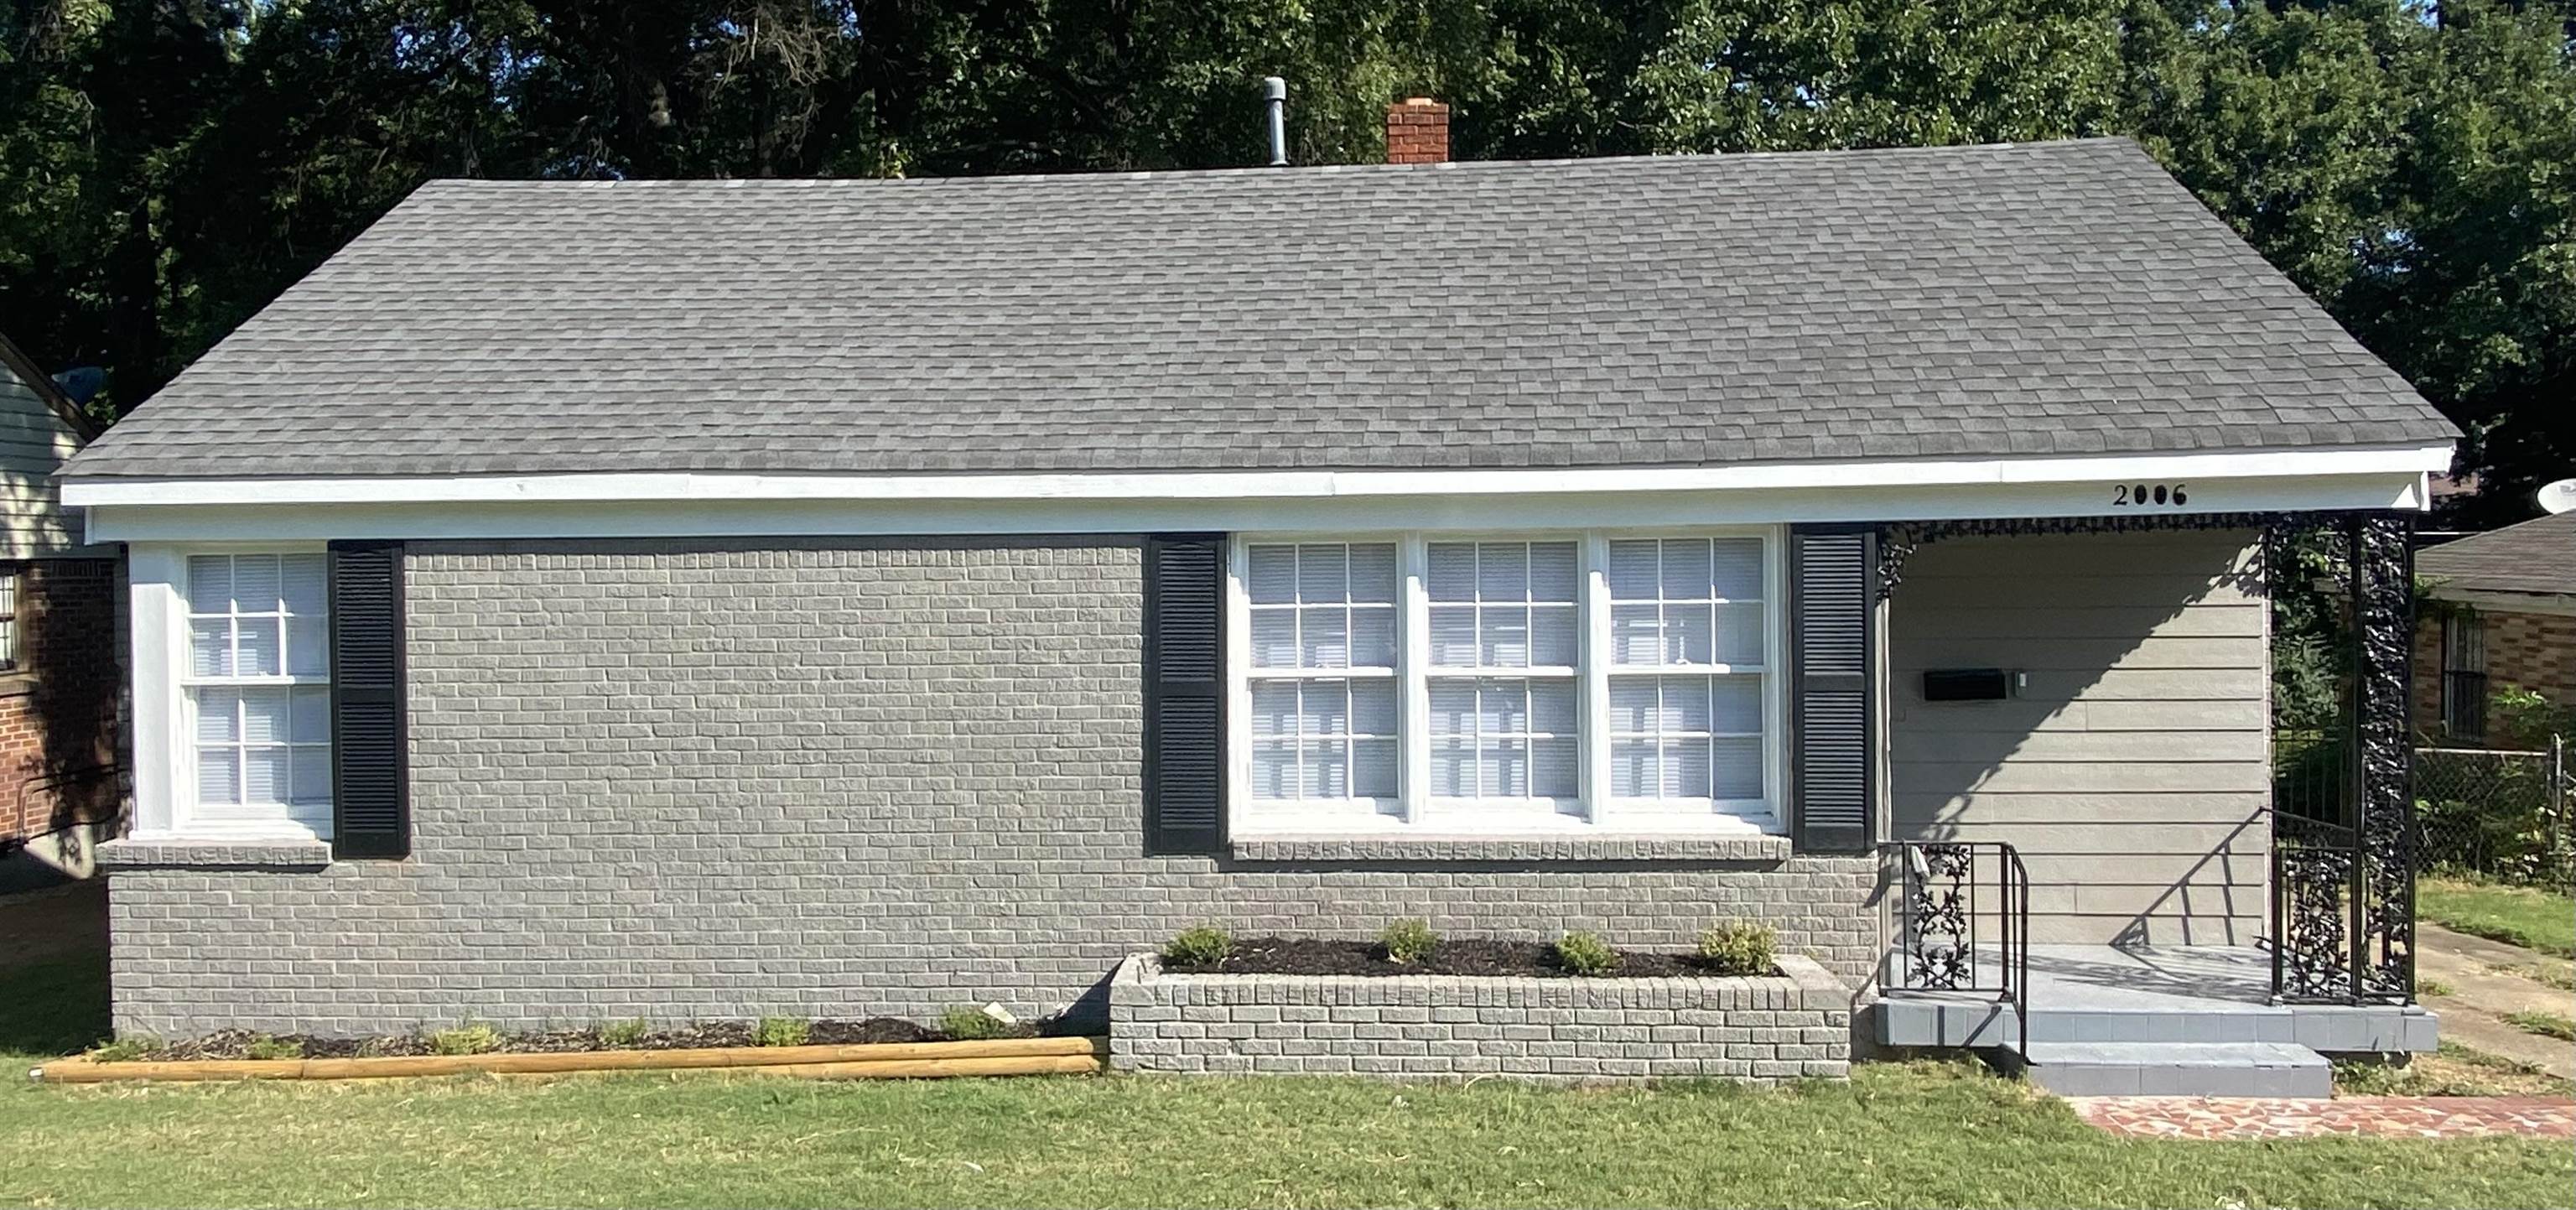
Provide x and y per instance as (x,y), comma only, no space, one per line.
(1632,704)
(1554,636)
(265,716)
(1685,704)
(1328,769)
(1372,637)
(1273,575)
(1502,706)
(1552,707)
(1632,571)
(1324,708)
(1739,635)
(1453,572)
(1453,707)
(1685,768)
(1274,770)
(1453,770)
(1555,768)
(312,709)
(1738,769)
(1686,634)
(1373,572)
(256,647)
(218,775)
(312,769)
(1739,704)
(1504,641)
(301,581)
(255,583)
(1322,572)
(1506,769)
(1373,707)
(308,646)
(218,716)
(1632,767)
(1373,768)
(1738,573)
(1453,636)
(210,647)
(210,584)
(1685,568)
(1502,571)
(1274,708)
(264,773)
(1636,634)
(1553,573)
(1274,638)
(1323,637)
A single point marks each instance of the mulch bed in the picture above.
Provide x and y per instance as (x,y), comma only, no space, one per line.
(1525,959)
(236,1043)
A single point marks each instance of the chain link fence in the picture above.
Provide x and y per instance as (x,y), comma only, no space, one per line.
(2500,814)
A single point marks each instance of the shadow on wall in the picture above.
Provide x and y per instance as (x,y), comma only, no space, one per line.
(2131,770)
(65,789)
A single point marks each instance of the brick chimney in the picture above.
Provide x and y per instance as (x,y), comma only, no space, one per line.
(1417,131)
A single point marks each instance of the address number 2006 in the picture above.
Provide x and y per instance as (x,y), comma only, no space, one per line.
(2147,495)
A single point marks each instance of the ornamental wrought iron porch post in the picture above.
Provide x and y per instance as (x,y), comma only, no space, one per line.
(2382,563)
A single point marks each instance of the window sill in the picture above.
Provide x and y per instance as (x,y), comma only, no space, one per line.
(177,853)
(1729,847)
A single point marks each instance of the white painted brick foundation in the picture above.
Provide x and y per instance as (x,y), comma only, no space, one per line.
(1793,1025)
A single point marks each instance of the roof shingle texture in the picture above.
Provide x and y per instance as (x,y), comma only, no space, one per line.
(2061,298)
(2537,556)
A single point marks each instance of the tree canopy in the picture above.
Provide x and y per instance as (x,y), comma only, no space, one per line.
(168,166)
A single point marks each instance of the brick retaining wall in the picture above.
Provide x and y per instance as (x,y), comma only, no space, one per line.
(1797,1024)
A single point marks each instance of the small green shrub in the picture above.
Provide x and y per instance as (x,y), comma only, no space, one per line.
(781,1031)
(1738,947)
(472,1038)
(1205,945)
(124,1050)
(1408,941)
(967,1023)
(1586,954)
(621,1034)
(265,1047)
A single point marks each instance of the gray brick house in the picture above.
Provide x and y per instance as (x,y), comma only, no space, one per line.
(705,599)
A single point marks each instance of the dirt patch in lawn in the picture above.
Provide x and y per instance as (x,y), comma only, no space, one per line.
(1523,959)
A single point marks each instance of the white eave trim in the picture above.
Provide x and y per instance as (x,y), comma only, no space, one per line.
(1251,485)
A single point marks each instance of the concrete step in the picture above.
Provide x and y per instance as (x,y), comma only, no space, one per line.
(2204,1069)
(1971,1022)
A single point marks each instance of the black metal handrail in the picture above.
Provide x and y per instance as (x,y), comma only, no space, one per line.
(1943,910)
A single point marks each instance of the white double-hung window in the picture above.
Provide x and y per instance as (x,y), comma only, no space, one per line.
(257,683)
(1569,682)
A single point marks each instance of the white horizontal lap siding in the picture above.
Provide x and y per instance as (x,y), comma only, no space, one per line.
(2132,773)
(34,442)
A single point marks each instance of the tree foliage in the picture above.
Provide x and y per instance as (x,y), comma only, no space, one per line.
(167,166)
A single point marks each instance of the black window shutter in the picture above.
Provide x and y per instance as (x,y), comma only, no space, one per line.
(1833,709)
(1185,693)
(370,773)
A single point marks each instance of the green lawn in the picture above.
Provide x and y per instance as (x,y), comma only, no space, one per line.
(1913,1135)
(2525,916)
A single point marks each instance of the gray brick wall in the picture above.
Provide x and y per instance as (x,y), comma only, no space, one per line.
(677,783)
(1792,1026)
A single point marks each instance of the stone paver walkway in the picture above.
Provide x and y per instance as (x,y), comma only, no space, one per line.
(2280,1118)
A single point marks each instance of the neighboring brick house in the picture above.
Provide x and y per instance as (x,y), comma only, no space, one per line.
(2505,615)
(666,599)
(60,599)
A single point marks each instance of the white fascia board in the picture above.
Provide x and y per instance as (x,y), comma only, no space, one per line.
(704,519)
(1252,485)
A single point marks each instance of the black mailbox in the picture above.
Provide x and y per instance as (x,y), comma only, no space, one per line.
(1966,685)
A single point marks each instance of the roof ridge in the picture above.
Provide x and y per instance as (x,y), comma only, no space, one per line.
(1666,159)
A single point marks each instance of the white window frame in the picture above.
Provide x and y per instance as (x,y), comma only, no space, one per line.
(167,803)
(1594,812)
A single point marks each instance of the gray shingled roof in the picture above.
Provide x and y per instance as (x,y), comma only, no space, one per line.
(2537,556)
(2061,298)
